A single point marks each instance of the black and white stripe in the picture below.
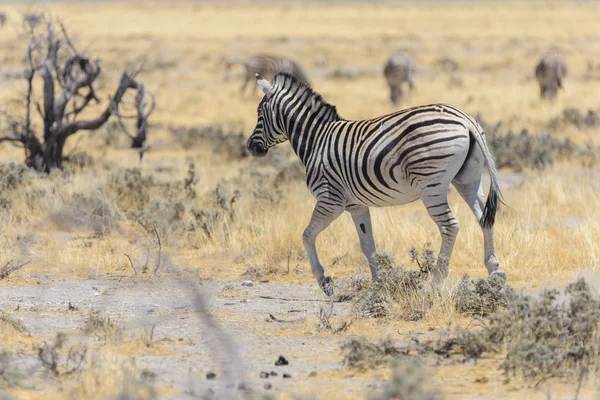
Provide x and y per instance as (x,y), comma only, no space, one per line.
(267,66)
(390,160)
(399,69)
(550,71)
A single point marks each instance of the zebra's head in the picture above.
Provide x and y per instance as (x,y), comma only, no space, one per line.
(269,129)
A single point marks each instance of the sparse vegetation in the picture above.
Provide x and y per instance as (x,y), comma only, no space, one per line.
(544,336)
(397,292)
(222,217)
(225,142)
(479,297)
(524,150)
(358,352)
(409,381)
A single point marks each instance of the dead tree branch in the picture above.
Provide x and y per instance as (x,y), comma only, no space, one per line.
(68,90)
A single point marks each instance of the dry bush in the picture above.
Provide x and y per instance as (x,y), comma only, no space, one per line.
(479,297)
(543,336)
(131,189)
(80,159)
(397,292)
(86,212)
(59,364)
(224,142)
(16,324)
(103,326)
(13,177)
(574,117)
(359,352)
(408,382)
(524,150)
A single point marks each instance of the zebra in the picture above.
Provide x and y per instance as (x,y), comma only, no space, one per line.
(398,69)
(549,72)
(267,65)
(389,160)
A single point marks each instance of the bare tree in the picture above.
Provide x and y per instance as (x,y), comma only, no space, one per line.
(68,77)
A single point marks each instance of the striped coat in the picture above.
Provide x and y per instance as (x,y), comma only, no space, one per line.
(385,161)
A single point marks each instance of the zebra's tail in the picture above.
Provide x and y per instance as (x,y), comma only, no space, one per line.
(495,195)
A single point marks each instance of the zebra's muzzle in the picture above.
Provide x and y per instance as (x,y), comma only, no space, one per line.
(257,150)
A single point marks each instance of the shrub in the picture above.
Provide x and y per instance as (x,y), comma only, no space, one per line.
(524,150)
(396,291)
(13,176)
(543,336)
(230,143)
(131,189)
(480,297)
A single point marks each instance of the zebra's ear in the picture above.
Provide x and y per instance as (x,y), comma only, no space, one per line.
(265,86)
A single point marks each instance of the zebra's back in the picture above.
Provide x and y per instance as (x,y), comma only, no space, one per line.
(389,160)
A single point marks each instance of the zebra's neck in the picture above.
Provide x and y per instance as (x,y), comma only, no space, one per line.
(306,123)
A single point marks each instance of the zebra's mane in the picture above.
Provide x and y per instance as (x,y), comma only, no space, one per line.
(283,79)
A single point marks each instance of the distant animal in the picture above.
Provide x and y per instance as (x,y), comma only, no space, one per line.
(268,66)
(550,72)
(3,18)
(385,161)
(32,20)
(398,69)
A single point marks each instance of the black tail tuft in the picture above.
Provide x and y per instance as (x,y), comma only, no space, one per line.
(489,210)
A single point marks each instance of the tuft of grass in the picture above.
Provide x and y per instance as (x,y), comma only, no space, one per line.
(102,325)
(360,353)
(408,382)
(17,324)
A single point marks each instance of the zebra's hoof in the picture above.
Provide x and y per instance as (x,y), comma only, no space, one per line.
(499,274)
(327,286)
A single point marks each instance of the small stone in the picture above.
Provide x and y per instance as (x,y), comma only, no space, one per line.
(211,375)
(247,283)
(313,374)
(281,361)
(268,386)
(242,386)
(264,375)
(286,376)
(273,373)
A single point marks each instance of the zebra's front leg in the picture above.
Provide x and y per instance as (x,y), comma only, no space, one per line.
(439,210)
(362,220)
(323,215)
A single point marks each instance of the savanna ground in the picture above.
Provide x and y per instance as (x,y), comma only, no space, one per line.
(223,218)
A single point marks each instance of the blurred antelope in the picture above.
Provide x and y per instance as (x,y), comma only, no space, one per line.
(549,72)
(399,68)
(3,18)
(268,66)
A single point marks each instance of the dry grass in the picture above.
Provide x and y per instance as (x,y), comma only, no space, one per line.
(548,235)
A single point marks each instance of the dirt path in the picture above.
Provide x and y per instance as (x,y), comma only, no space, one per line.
(258,323)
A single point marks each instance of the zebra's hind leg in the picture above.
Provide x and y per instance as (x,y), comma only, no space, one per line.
(362,220)
(472,193)
(436,203)
(323,215)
